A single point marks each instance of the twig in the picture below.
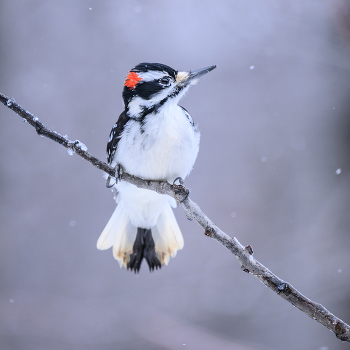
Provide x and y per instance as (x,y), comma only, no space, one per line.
(243,254)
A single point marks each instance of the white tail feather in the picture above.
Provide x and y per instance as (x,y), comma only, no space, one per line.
(123,244)
(121,234)
(167,235)
(107,237)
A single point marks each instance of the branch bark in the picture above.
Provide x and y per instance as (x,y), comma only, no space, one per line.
(192,210)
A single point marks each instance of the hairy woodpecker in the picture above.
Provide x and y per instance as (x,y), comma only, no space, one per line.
(155,139)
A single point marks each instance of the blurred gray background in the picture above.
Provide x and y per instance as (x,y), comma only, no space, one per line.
(273,171)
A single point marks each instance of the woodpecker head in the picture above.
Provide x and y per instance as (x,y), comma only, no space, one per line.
(149,86)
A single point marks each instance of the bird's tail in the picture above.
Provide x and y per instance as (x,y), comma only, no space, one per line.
(131,244)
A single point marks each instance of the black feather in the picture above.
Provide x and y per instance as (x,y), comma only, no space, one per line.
(143,247)
(158,67)
(115,135)
(188,115)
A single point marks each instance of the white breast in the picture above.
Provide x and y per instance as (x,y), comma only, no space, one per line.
(166,149)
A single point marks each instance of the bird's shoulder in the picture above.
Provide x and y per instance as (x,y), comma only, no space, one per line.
(115,135)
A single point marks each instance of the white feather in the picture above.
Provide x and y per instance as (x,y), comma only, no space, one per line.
(116,223)
(123,244)
(167,236)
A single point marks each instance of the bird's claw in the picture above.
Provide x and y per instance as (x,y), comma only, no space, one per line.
(180,187)
(181,182)
(118,170)
(108,181)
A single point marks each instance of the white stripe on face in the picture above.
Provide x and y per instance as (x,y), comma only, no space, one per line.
(151,75)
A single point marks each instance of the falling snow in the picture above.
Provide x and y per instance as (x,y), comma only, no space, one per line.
(338,171)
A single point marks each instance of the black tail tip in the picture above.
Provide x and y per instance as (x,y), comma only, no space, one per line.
(153,263)
(143,247)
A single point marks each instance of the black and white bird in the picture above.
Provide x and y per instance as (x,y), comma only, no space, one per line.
(155,139)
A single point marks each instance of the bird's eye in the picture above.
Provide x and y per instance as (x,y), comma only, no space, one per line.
(165,81)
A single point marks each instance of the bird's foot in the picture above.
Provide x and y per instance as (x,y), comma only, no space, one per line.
(180,186)
(119,171)
(111,181)
(181,189)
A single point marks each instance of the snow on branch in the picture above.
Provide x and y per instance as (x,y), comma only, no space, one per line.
(192,210)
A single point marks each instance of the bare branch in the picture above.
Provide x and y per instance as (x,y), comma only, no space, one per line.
(41,129)
(192,210)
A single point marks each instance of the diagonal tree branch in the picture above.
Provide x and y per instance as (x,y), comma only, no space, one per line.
(192,210)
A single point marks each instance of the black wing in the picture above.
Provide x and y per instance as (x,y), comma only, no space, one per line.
(115,136)
(188,115)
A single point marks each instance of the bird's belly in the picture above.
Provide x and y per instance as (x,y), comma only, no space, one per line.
(160,156)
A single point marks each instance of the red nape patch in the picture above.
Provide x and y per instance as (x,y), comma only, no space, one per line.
(132,79)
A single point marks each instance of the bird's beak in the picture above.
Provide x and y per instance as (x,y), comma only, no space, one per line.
(196,74)
(185,78)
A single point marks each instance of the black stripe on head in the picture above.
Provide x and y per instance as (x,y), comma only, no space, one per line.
(156,107)
(158,67)
(143,89)
(148,89)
